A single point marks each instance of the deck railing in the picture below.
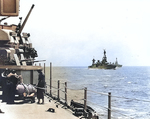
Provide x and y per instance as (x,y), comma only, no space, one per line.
(60,92)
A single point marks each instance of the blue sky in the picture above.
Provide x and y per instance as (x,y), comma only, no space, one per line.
(72,32)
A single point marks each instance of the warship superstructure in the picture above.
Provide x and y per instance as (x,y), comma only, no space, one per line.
(16,51)
(117,64)
(102,64)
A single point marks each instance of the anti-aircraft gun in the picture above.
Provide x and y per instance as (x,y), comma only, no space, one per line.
(16,51)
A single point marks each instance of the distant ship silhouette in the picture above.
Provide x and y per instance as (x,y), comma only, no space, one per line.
(104,64)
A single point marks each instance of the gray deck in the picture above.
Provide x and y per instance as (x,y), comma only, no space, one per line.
(34,111)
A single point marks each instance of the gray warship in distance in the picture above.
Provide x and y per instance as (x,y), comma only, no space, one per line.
(103,64)
(16,51)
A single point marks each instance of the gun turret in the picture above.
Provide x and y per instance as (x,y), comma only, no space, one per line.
(16,48)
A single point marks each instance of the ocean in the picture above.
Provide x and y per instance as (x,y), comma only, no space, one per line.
(129,87)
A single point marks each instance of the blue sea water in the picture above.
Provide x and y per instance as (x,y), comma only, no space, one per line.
(129,87)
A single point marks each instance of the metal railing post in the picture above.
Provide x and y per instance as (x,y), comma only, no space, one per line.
(66,92)
(44,68)
(85,99)
(50,79)
(58,89)
(109,105)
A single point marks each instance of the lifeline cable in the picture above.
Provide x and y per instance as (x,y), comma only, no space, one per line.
(118,96)
(47,84)
(62,83)
(76,99)
(62,91)
(54,87)
(98,92)
(40,87)
(99,105)
(62,98)
(122,114)
(111,110)
(61,88)
(75,89)
(132,99)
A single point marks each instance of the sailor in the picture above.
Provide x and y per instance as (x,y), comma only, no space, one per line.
(14,77)
(4,86)
(1,79)
(12,80)
(40,86)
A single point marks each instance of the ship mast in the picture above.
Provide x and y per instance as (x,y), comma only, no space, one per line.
(104,59)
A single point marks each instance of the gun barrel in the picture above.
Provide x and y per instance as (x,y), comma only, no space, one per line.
(20,30)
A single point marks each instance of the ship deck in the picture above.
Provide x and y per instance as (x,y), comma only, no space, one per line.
(28,110)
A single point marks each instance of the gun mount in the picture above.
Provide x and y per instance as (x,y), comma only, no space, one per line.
(16,51)
(15,47)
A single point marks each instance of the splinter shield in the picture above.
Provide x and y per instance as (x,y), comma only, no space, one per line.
(9,7)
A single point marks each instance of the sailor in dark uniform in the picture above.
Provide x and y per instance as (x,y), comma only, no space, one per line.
(4,86)
(1,78)
(41,84)
(12,80)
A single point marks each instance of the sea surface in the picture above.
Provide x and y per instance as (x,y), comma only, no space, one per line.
(128,85)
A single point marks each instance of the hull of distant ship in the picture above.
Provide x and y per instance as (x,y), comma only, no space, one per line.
(102,67)
(118,65)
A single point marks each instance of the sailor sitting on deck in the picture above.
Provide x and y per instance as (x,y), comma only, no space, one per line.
(26,90)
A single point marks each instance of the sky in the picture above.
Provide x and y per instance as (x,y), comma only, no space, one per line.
(73,32)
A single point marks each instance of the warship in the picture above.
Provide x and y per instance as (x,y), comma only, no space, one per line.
(16,51)
(102,64)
